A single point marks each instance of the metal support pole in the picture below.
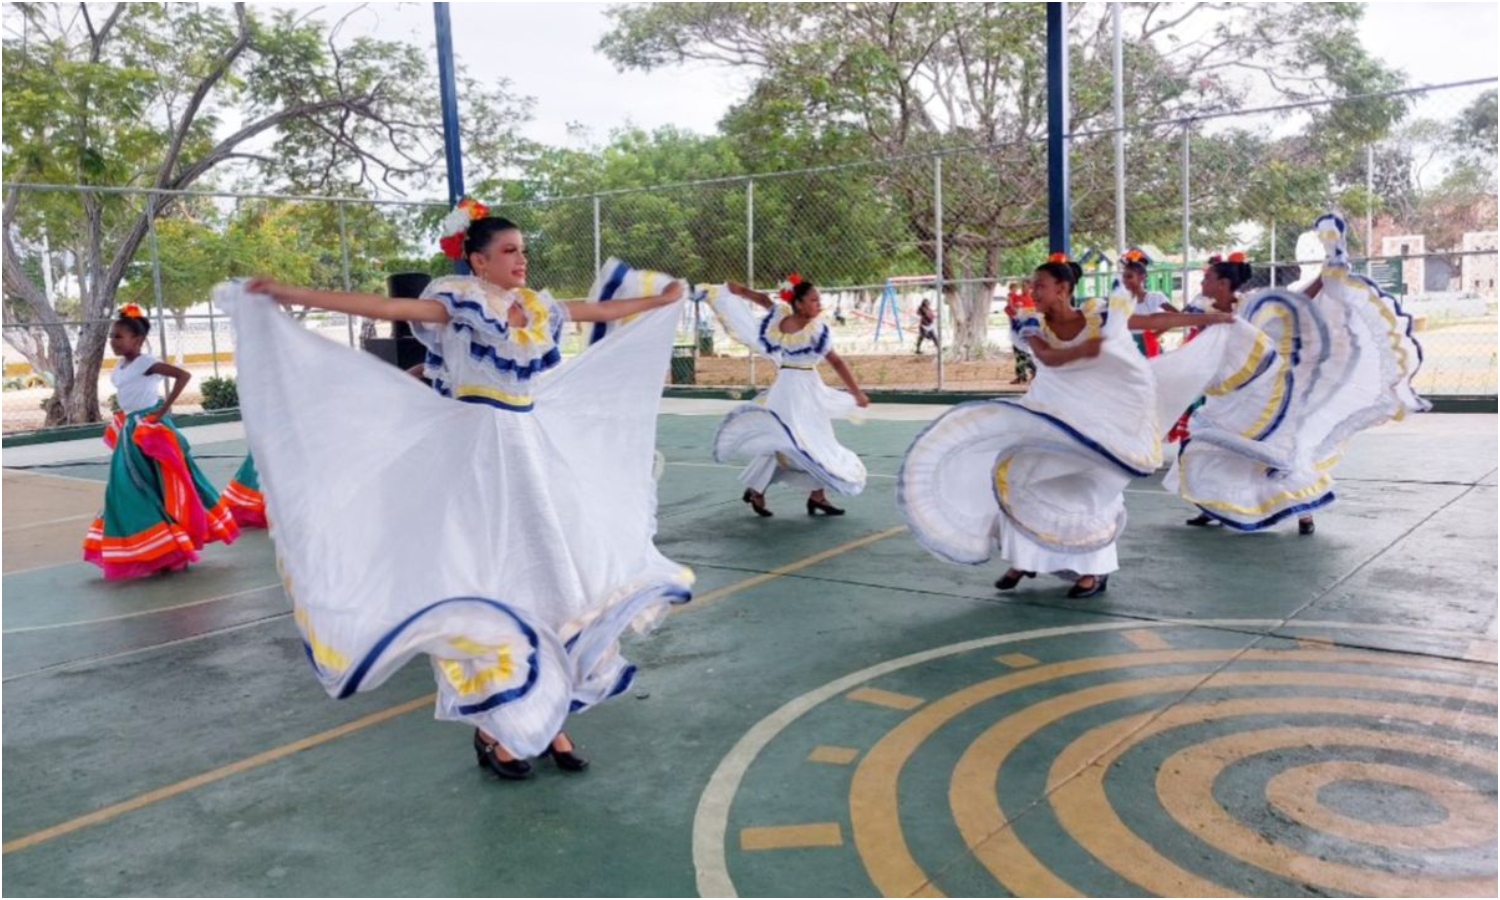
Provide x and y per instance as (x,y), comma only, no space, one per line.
(348,285)
(448,91)
(598,258)
(1369,210)
(750,256)
(1059,207)
(161,316)
(213,339)
(937,216)
(1273,253)
(1120,244)
(1187,212)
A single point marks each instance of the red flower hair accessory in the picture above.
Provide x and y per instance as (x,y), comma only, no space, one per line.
(1237,257)
(131,311)
(1058,258)
(788,287)
(456,225)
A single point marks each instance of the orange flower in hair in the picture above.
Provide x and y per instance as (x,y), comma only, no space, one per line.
(1237,257)
(1058,258)
(131,311)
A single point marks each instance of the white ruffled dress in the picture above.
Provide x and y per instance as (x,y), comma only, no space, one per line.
(1265,450)
(1040,480)
(509,536)
(786,434)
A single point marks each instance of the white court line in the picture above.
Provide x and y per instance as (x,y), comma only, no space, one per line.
(78,518)
(144,612)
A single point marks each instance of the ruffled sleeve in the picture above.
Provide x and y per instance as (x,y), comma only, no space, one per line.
(478,329)
(807,346)
(1026,323)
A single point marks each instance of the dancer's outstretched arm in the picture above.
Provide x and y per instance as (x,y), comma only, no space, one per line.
(1168,321)
(370,306)
(584,311)
(842,368)
(754,296)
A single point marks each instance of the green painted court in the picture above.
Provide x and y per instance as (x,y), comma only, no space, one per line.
(837,713)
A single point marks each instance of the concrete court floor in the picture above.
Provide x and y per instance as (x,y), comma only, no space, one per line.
(837,713)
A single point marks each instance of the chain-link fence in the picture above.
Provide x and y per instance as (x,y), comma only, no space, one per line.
(960,223)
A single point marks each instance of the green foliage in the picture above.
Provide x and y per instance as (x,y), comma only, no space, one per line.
(177,96)
(220,393)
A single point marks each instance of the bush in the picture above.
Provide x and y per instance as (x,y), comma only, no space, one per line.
(220,393)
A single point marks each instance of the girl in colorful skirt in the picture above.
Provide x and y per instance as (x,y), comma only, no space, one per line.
(243,495)
(786,434)
(507,536)
(1133,277)
(159,510)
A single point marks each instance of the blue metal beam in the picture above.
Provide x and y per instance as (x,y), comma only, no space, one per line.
(448,90)
(1059,201)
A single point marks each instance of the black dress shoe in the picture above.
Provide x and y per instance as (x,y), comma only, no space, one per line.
(757,502)
(1306,526)
(1202,520)
(1101,584)
(567,760)
(822,506)
(1009,581)
(484,751)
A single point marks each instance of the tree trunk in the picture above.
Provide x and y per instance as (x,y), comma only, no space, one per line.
(81,399)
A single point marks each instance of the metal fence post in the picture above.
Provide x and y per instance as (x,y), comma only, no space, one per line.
(161,317)
(1369,210)
(750,255)
(598,257)
(213,339)
(1187,213)
(348,285)
(937,215)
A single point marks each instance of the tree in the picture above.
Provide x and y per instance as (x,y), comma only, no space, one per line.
(167,96)
(909,79)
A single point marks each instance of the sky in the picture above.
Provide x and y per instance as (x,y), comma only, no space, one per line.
(547,50)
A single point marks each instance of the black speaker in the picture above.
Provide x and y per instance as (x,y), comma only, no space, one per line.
(401,349)
(407,285)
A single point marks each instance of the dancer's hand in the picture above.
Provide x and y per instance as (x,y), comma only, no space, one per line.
(161,412)
(672,294)
(860,399)
(271,288)
(739,290)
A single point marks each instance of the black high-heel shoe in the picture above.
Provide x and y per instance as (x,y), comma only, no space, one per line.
(1306,526)
(757,502)
(822,506)
(484,751)
(567,760)
(1202,520)
(1008,581)
(1101,584)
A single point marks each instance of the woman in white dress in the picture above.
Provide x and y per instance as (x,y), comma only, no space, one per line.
(786,434)
(1265,451)
(1133,271)
(509,536)
(1040,480)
